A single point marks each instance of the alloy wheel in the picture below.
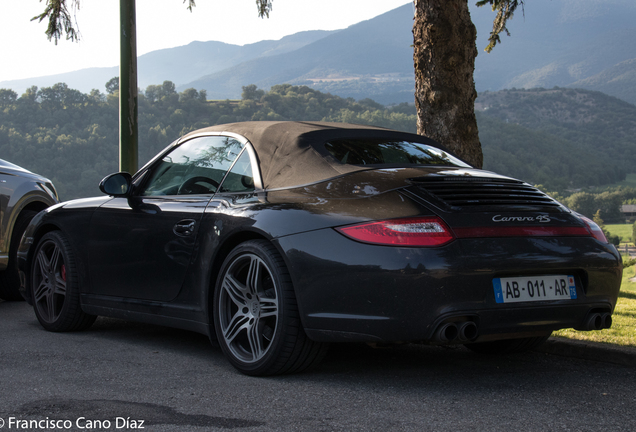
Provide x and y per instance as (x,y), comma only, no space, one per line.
(248,308)
(49,279)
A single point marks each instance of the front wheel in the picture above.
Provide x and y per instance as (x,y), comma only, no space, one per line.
(508,346)
(256,317)
(55,286)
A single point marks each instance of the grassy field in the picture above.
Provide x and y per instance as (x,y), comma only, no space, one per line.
(623,331)
(623,230)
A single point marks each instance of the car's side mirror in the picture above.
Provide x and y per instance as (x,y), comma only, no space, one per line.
(118,184)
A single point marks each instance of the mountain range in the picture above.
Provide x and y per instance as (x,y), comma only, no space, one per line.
(568,43)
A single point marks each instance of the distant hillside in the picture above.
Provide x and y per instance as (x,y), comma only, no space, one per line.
(386,89)
(618,81)
(539,157)
(593,129)
(201,58)
(579,43)
(604,117)
(204,58)
(556,43)
(373,49)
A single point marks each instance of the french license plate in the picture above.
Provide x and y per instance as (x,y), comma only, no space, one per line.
(535,288)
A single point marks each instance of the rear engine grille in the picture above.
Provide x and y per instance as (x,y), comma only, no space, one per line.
(468,192)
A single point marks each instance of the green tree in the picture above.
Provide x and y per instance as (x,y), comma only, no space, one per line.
(96,96)
(582,202)
(614,239)
(597,218)
(165,93)
(609,202)
(112,85)
(30,94)
(60,96)
(251,92)
(189,94)
(7,96)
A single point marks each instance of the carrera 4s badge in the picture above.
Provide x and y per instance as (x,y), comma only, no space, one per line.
(538,218)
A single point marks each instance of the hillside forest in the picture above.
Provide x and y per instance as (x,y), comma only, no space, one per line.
(72,137)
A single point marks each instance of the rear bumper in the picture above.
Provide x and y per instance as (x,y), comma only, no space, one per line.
(349,291)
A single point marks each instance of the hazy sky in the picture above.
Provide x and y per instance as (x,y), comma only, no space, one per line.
(25,51)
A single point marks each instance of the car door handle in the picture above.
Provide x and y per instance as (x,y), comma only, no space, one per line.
(184,227)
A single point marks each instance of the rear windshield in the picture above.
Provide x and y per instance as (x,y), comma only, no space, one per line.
(395,153)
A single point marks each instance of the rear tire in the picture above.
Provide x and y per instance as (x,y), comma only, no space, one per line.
(508,346)
(256,316)
(10,277)
(55,286)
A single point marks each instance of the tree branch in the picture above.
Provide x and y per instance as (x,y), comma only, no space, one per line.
(505,11)
(61,21)
(264,7)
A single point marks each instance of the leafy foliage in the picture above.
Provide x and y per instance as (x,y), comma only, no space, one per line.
(505,10)
(60,20)
(72,137)
(589,133)
(606,205)
(112,85)
(613,239)
(543,158)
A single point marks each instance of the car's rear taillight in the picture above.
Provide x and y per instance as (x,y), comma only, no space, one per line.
(594,229)
(418,231)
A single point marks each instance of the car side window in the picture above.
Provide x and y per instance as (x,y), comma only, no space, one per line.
(196,167)
(240,177)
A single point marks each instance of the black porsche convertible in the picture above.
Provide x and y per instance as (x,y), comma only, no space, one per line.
(277,238)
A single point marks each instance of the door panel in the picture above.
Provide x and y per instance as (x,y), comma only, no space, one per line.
(139,247)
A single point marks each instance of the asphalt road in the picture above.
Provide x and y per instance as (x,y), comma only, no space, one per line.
(119,373)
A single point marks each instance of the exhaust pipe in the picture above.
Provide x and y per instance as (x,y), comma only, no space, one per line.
(467,331)
(446,333)
(594,322)
(607,320)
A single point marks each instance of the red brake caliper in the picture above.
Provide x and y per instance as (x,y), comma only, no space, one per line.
(63,271)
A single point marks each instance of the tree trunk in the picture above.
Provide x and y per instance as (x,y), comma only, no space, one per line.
(444,55)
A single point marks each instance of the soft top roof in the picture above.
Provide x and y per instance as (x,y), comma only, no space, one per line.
(294,153)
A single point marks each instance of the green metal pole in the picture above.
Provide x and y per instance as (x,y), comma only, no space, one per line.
(128,126)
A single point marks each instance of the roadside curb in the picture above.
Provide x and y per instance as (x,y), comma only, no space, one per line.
(595,351)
